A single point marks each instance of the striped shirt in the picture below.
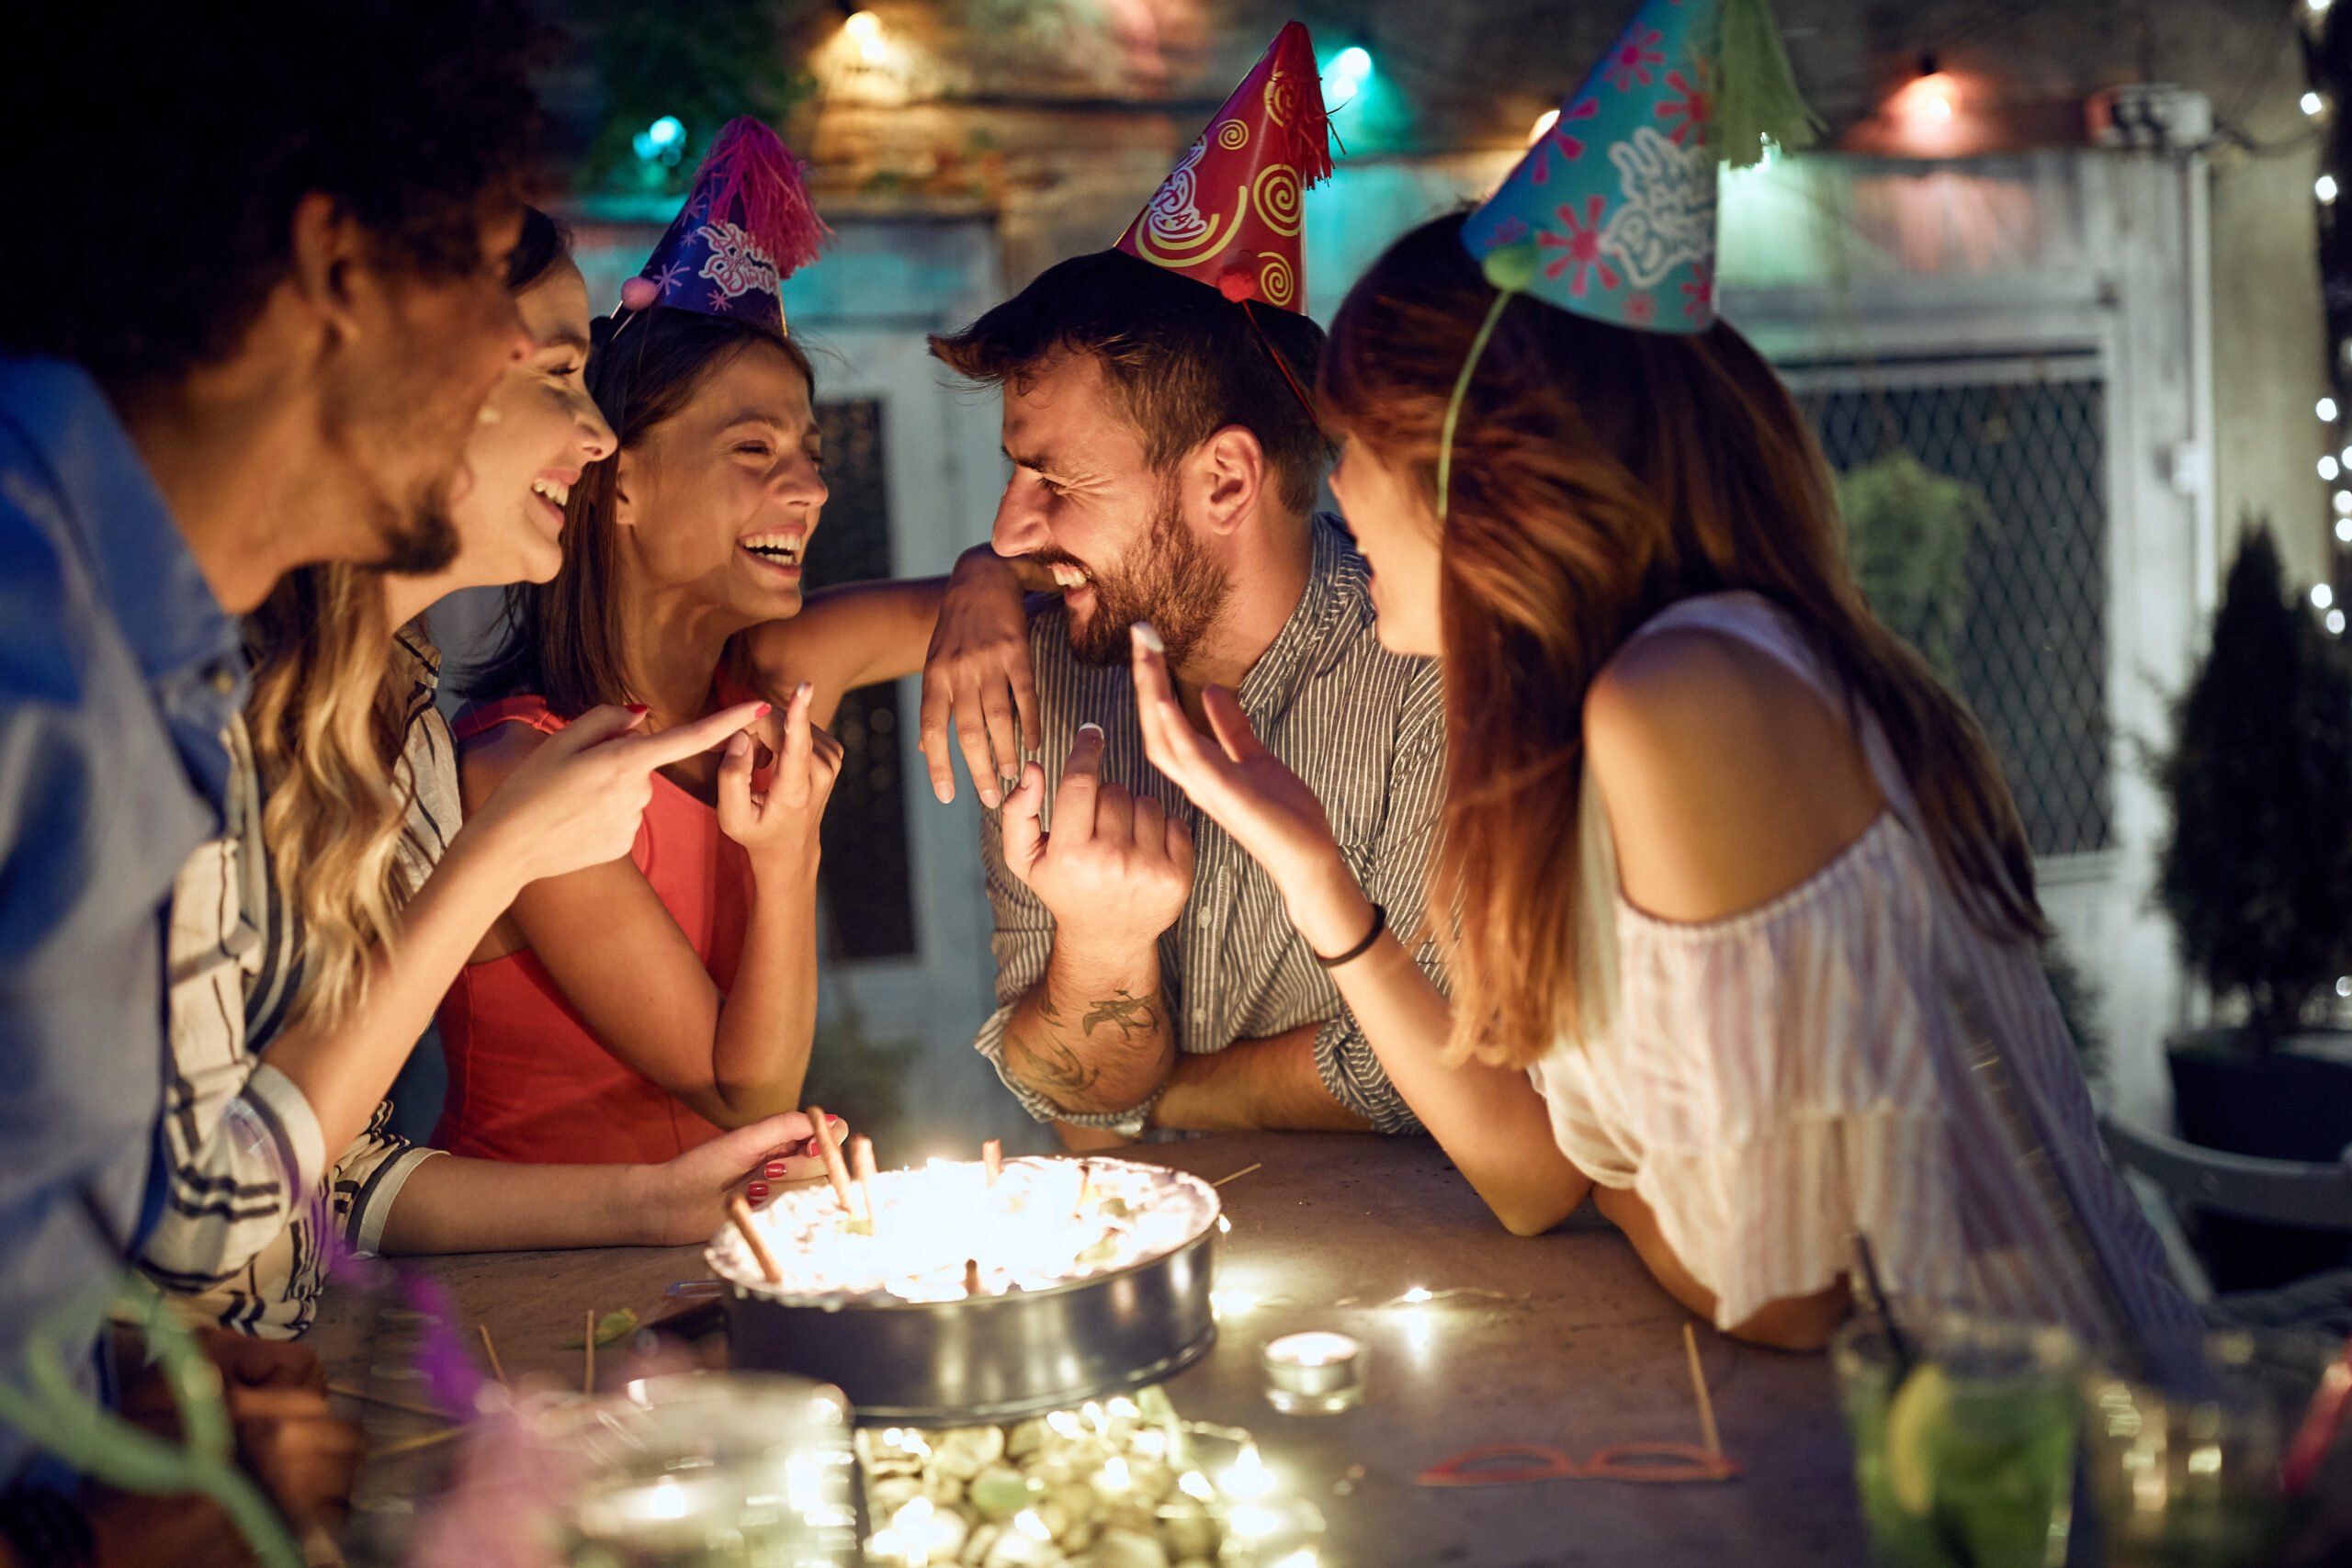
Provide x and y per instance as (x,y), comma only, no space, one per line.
(251,1197)
(1777,1081)
(1364,728)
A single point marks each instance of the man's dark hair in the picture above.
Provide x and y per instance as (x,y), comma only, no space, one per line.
(1184,359)
(176,141)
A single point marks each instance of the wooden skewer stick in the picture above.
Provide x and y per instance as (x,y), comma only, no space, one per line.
(992,1158)
(492,1351)
(971,1276)
(829,1147)
(347,1391)
(588,1354)
(740,1212)
(1238,1175)
(410,1445)
(1706,1407)
(861,1153)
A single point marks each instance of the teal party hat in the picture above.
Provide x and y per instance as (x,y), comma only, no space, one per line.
(1611,213)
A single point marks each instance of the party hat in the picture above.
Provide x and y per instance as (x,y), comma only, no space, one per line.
(746,227)
(1230,214)
(1611,213)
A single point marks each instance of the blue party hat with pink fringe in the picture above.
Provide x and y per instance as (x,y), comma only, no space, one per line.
(746,227)
(1611,213)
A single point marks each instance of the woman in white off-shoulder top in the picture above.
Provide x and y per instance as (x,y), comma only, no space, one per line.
(1742,903)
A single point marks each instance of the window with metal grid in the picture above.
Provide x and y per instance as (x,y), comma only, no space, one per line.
(2033,652)
(865,882)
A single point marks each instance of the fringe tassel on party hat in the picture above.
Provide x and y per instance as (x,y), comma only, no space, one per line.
(1757,104)
(749,164)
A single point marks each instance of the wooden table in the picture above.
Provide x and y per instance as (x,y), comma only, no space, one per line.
(1569,1345)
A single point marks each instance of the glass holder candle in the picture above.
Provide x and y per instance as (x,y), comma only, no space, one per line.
(1317,1373)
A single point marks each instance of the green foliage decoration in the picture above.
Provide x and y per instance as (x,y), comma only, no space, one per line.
(1907,533)
(2256,869)
(704,62)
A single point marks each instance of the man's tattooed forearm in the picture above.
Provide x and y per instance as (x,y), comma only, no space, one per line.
(1054,1067)
(1127,1009)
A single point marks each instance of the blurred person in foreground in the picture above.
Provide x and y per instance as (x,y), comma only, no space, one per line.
(251,330)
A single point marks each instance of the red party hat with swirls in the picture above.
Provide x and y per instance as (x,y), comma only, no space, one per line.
(1229,215)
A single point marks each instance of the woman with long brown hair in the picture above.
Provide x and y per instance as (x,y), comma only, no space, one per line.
(633,1010)
(1736,885)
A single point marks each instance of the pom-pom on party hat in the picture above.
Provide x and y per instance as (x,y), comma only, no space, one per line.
(746,227)
(1611,213)
(1229,215)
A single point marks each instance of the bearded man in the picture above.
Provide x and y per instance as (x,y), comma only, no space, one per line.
(1165,470)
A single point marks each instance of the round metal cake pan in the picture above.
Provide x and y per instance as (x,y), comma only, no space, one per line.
(992,1358)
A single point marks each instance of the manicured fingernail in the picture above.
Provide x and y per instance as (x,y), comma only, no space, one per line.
(757,1192)
(638,708)
(1147,638)
(765,709)
(832,1119)
(1090,723)
(773,1170)
(739,744)
(812,1150)
(989,797)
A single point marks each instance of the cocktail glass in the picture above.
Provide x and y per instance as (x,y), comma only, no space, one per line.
(1966,1458)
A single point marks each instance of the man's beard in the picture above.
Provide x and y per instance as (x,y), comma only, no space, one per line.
(1173,583)
(418,535)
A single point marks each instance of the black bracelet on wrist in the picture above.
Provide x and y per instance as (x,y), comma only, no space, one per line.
(1379,924)
(46,1529)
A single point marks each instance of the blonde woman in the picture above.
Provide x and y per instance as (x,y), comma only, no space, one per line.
(289,1034)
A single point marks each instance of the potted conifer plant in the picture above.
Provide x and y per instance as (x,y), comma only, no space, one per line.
(2256,875)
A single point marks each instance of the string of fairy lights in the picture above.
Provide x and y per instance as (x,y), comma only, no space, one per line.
(2325,50)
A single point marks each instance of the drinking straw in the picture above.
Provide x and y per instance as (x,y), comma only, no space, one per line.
(346,1390)
(492,1351)
(2322,1420)
(829,1147)
(740,1212)
(1897,1346)
(1699,1388)
(861,1153)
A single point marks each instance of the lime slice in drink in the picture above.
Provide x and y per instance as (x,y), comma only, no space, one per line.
(1914,1417)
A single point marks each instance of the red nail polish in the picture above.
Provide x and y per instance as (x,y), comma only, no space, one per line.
(756,1191)
(812,1150)
(832,1119)
(638,709)
(775,1171)
(766,709)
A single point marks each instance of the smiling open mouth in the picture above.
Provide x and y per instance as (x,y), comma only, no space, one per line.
(1067,576)
(776,550)
(556,490)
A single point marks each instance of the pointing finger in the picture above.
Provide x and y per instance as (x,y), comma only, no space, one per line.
(692,739)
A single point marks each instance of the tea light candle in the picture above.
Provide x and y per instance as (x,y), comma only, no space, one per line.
(1314,1374)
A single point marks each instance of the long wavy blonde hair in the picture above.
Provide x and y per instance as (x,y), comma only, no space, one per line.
(1599,474)
(324,729)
